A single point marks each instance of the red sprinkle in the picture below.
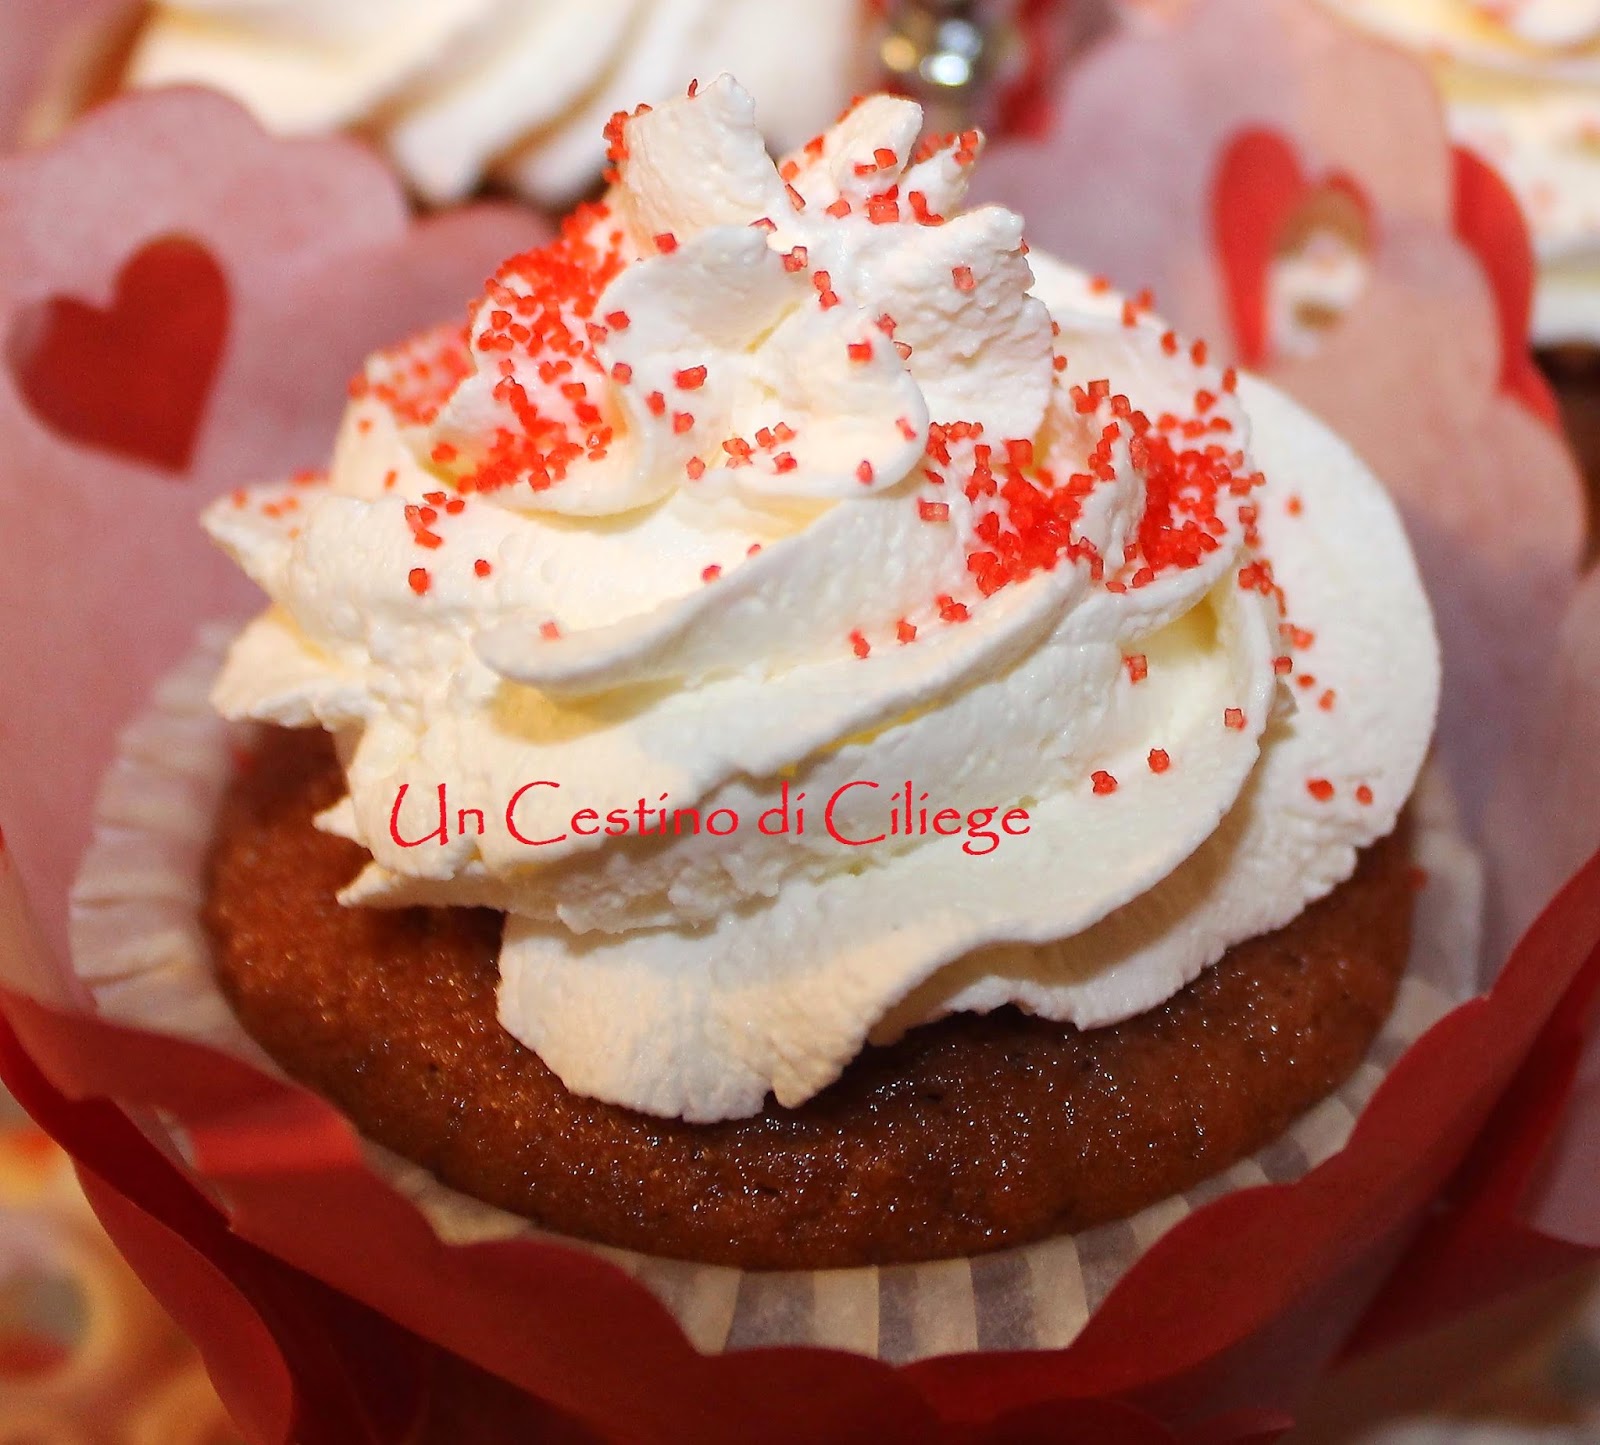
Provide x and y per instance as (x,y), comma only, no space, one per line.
(482,568)
(690,378)
(864,473)
(861,351)
(622,373)
(666,243)
(1234,718)
(695,468)
(1363,795)
(419,580)
(1138,667)
(904,631)
(860,644)
(1159,761)
(1320,789)
(657,403)
(838,208)
(617,320)
(682,421)
(963,277)
(1103,781)
(1325,702)
(549,631)
(711,573)
(932,511)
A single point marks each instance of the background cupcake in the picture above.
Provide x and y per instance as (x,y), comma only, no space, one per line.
(458,93)
(1521,84)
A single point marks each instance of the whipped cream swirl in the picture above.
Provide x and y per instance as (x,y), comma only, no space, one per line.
(515,91)
(766,480)
(1521,81)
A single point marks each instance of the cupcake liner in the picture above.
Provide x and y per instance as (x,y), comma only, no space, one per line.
(317,262)
(138,944)
(313,1284)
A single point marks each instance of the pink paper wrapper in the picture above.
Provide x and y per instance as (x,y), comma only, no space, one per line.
(138,944)
(1215,1331)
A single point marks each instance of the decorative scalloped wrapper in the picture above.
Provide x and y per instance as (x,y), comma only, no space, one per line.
(315,1275)
(138,943)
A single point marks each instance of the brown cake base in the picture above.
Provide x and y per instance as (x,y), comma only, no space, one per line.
(968,1134)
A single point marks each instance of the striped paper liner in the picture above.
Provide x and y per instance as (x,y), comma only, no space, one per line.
(138,942)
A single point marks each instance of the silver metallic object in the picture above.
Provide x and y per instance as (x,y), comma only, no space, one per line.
(944,54)
(982,62)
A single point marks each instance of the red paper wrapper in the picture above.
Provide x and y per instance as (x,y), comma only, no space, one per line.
(310,1284)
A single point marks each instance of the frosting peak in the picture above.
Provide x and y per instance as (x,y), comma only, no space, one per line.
(767,494)
(710,302)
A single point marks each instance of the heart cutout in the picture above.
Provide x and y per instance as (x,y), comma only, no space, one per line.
(1264,210)
(132,379)
(1490,222)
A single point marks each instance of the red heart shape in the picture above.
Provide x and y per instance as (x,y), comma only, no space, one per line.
(1259,194)
(133,379)
(1490,222)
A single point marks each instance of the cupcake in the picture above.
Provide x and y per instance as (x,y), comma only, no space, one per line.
(1521,83)
(805,734)
(487,91)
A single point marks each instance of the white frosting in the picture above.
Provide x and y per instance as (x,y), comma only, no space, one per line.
(691,974)
(1521,80)
(513,90)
